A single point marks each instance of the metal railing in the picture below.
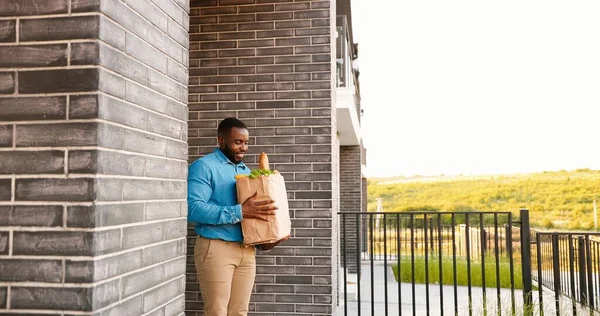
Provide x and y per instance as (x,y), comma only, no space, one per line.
(345,75)
(344,69)
(459,262)
(441,237)
(568,263)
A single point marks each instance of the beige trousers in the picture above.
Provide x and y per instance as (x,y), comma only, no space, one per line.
(226,272)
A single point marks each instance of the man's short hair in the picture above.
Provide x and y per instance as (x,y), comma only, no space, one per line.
(227,124)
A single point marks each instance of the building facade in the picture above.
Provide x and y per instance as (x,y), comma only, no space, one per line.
(103,103)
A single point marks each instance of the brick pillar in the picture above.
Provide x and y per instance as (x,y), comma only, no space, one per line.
(269,64)
(351,200)
(93,156)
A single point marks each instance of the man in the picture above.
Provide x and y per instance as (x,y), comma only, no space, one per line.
(226,269)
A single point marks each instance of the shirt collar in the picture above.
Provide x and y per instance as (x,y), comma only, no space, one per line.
(224,160)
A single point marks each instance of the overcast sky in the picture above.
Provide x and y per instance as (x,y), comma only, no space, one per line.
(479,87)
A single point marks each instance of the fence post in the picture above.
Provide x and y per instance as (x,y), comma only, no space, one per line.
(556,270)
(582,270)
(526,263)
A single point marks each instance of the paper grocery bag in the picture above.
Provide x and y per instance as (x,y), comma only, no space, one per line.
(279,226)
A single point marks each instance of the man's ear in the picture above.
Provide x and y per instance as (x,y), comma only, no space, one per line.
(220,141)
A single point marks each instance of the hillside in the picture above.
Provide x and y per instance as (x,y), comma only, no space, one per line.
(556,199)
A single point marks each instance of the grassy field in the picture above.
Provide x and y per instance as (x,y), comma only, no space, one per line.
(561,199)
(462,272)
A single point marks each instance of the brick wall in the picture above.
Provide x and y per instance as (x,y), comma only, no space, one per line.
(351,194)
(269,64)
(93,156)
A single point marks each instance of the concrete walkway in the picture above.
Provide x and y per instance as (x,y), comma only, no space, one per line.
(403,304)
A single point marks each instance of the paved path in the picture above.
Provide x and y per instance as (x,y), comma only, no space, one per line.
(403,305)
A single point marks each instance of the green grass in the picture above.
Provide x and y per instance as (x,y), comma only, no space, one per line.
(462,272)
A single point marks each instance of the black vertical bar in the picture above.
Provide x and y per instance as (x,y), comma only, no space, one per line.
(564,264)
(582,270)
(497,264)
(379,238)
(412,262)
(549,271)
(344,264)
(548,256)
(441,278)
(385,255)
(365,236)
(556,270)
(371,228)
(359,219)
(562,255)
(482,245)
(545,253)
(468,249)
(526,262)
(399,267)
(596,272)
(376,236)
(577,270)
(426,242)
(589,273)
(511,263)
(453,224)
(431,240)
(572,273)
(538,262)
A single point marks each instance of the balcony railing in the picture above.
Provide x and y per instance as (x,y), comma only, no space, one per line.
(346,75)
(347,89)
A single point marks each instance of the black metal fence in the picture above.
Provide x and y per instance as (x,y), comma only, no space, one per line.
(436,236)
(568,263)
(466,264)
(458,263)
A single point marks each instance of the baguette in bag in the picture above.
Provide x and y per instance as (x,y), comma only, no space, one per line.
(266,184)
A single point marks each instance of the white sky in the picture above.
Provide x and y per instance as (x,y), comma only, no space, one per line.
(479,87)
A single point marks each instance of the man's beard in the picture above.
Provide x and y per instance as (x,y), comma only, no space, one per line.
(230,154)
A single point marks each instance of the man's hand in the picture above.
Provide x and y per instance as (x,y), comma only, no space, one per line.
(259,209)
(269,247)
(266,247)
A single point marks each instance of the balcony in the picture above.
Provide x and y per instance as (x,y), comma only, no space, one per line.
(347,89)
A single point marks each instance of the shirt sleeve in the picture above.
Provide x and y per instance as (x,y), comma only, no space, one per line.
(199,192)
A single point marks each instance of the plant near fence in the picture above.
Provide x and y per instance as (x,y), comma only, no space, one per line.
(462,271)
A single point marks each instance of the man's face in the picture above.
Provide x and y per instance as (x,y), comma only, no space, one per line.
(235,145)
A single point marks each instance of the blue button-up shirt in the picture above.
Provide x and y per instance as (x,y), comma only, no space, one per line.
(212,197)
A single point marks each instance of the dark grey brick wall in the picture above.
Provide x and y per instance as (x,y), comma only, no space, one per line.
(269,63)
(351,200)
(93,156)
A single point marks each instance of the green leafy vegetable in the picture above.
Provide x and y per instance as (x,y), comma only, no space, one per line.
(259,172)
